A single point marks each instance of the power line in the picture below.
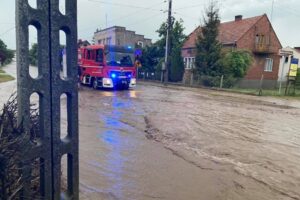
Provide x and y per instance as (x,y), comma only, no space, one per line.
(143,20)
(184,15)
(129,15)
(289,9)
(7,23)
(123,5)
(191,6)
(5,32)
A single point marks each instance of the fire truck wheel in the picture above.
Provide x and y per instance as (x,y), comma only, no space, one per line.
(95,84)
(91,83)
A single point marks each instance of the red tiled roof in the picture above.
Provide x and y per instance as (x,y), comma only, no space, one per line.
(229,32)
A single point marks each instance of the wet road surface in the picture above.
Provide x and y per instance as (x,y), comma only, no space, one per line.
(186,144)
(177,143)
(117,161)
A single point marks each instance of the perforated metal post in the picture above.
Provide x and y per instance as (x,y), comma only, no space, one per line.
(49,85)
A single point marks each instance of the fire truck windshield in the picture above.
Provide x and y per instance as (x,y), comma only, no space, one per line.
(119,59)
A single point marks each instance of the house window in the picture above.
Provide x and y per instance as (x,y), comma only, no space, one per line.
(189,62)
(269,65)
(99,41)
(140,43)
(257,39)
(260,39)
(108,41)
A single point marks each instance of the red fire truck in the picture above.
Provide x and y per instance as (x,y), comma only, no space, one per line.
(107,66)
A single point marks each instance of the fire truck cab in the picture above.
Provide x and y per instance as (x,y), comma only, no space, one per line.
(107,66)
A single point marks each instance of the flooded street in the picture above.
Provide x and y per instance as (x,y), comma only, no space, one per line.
(117,161)
(176,143)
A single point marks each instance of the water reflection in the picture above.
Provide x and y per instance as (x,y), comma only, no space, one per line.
(121,93)
(115,139)
(133,94)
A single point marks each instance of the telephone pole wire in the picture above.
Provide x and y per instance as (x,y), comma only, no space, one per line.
(168,43)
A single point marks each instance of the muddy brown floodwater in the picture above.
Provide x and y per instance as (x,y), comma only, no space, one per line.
(188,144)
(185,144)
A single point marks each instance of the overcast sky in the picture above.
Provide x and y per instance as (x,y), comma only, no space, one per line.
(145,16)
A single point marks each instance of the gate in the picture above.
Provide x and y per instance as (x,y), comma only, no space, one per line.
(49,86)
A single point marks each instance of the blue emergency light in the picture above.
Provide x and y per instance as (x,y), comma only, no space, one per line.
(113,75)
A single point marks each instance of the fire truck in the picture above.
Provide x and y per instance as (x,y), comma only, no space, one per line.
(107,66)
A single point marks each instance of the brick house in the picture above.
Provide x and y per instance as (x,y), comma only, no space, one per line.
(255,34)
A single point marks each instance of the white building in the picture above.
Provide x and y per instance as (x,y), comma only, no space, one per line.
(286,63)
(120,36)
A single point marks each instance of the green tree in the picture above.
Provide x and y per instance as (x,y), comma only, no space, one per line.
(6,55)
(208,47)
(177,40)
(150,58)
(33,54)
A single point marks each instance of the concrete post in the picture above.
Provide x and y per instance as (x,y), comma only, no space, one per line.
(48,21)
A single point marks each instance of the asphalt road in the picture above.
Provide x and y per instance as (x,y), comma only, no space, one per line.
(178,143)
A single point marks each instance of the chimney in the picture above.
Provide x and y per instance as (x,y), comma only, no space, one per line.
(238,18)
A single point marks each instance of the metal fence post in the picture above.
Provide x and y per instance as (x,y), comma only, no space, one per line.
(260,92)
(221,81)
(48,21)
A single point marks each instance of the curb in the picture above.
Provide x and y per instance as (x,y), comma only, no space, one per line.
(167,85)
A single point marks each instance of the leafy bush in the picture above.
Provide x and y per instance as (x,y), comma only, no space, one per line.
(210,81)
(236,63)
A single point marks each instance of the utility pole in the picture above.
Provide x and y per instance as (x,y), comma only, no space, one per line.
(168,42)
(272,10)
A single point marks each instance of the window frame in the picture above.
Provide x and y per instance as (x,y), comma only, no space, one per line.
(189,62)
(269,65)
(140,43)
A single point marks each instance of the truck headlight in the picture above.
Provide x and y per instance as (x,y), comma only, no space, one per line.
(133,81)
(107,81)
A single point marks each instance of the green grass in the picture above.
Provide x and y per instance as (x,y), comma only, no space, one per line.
(274,92)
(5,78)
(1,71)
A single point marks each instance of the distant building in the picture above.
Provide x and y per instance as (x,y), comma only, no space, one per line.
(118,35)
(255,34)
(285,63)
(82,43)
